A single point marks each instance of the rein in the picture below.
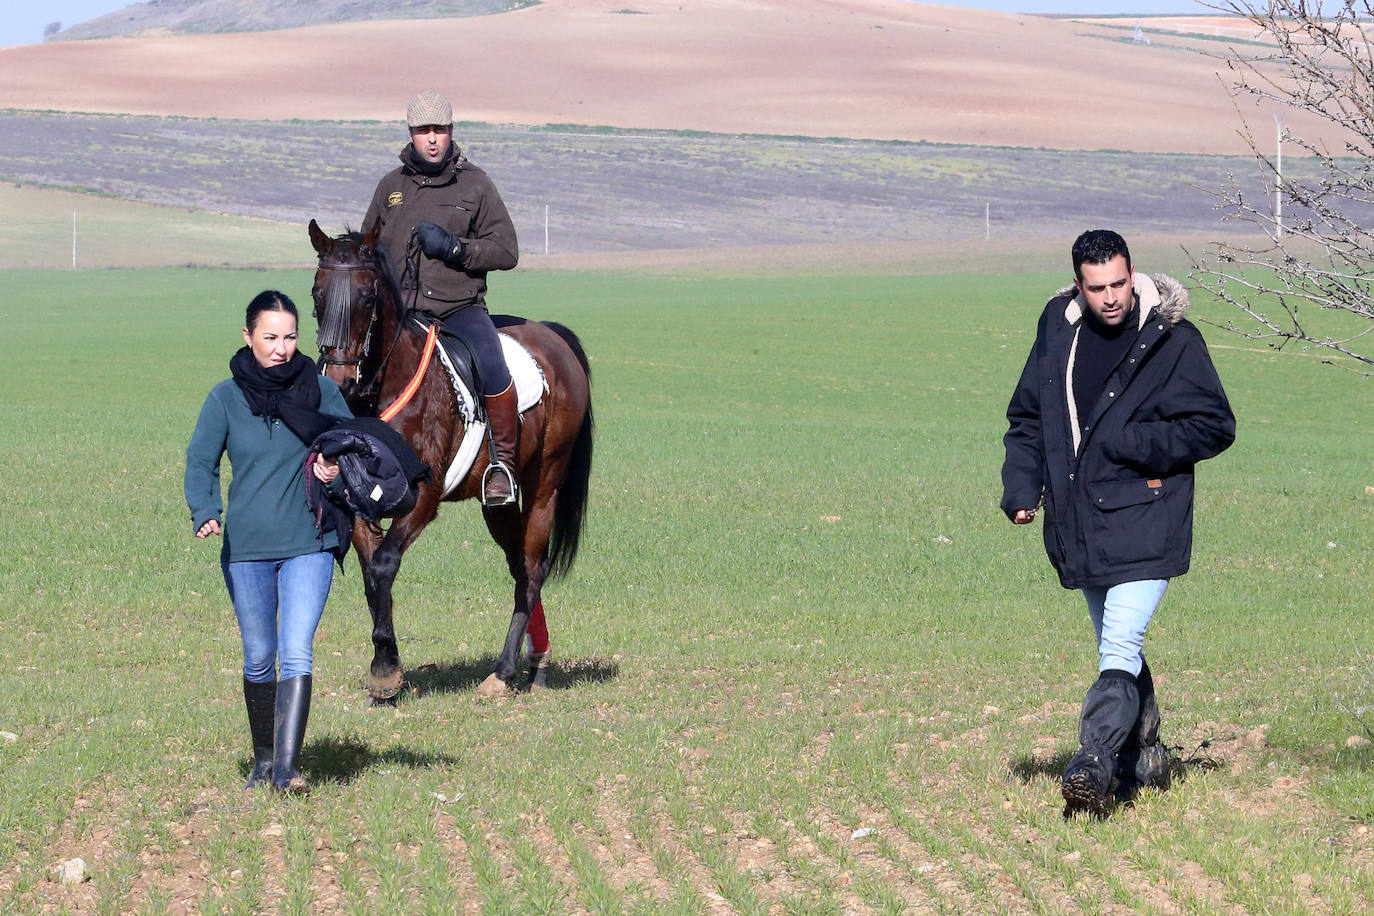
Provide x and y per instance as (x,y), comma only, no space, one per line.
(412,264)
(414,385)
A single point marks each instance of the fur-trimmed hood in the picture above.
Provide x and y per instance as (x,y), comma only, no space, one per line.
(1160,291)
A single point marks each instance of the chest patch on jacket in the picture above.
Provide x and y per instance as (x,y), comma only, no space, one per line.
(395,199)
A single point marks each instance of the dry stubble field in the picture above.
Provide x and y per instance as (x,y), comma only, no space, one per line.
(883,69)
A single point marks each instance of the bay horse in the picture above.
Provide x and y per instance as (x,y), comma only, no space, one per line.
(374,353)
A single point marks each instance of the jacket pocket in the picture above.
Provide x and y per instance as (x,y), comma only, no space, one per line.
(1122,494)
(1132,521)
(459,217)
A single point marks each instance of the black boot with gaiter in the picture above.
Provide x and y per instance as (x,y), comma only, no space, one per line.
(1144,761)
(1110,710)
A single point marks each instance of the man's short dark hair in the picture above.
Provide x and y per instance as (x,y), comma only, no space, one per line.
(1098,246)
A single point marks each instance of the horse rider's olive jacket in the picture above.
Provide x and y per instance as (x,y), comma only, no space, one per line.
(1118,494)
(462,200)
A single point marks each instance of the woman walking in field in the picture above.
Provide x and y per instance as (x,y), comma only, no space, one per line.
(277,564)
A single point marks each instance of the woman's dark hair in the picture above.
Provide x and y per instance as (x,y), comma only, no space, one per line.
(269,300)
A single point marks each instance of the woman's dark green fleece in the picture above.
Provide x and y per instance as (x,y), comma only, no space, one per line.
(268,518)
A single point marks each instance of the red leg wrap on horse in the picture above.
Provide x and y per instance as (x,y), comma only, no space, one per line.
(538,629)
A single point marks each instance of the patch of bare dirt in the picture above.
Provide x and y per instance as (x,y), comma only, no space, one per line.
(461,871)
(920,878)
(171,872)
(668,838)
(535,828)
(623,856)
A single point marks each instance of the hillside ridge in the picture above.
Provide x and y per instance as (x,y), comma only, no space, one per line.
(172,17)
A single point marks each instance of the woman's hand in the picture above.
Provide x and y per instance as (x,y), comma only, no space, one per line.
(325,470)
(210,527)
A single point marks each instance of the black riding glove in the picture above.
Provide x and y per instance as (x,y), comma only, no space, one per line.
(440,245)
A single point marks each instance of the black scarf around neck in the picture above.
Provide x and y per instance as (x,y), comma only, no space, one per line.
(289,392)
(431,169)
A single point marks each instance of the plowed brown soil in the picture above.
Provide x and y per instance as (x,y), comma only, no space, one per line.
(884,69)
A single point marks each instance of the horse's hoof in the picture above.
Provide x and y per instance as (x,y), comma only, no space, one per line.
(493,688)
(539,671)
(383,690)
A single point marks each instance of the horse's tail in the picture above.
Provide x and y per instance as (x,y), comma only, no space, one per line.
(571,509)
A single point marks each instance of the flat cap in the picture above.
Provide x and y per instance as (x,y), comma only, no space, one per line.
(429,107)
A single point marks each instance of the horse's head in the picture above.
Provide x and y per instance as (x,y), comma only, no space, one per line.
(349,284)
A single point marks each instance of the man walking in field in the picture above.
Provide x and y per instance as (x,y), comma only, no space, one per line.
(463,230)
(1117,402)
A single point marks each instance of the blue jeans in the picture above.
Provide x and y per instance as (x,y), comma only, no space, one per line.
(279,604)
(1120,615)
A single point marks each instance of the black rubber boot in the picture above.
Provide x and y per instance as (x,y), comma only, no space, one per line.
(261,700)
(1144,761)
(293,709)
(1110,710)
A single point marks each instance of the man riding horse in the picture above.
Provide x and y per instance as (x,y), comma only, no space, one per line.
(463,230)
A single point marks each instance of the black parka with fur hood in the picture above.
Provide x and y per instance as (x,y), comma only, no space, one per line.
(1118,496)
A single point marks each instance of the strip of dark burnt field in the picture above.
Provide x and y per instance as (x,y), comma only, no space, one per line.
(609,190)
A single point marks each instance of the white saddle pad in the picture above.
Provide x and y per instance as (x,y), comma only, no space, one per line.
(530,387)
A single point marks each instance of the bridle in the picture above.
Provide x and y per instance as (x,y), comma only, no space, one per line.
(336,322)
(337,318)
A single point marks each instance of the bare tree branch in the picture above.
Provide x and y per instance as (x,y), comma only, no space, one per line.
(1310,281)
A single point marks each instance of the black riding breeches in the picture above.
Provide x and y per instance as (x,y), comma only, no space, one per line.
(473,326)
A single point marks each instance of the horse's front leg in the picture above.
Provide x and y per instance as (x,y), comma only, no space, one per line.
(386,676)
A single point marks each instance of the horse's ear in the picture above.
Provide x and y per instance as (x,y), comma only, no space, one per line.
(318,238)
(371,234)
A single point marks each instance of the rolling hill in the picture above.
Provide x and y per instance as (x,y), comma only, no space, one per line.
(207,16)
(871,69)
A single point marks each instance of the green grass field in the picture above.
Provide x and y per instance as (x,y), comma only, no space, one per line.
(798,615)
(36,229)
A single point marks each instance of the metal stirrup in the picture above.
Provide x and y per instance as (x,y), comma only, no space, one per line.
(499,467)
